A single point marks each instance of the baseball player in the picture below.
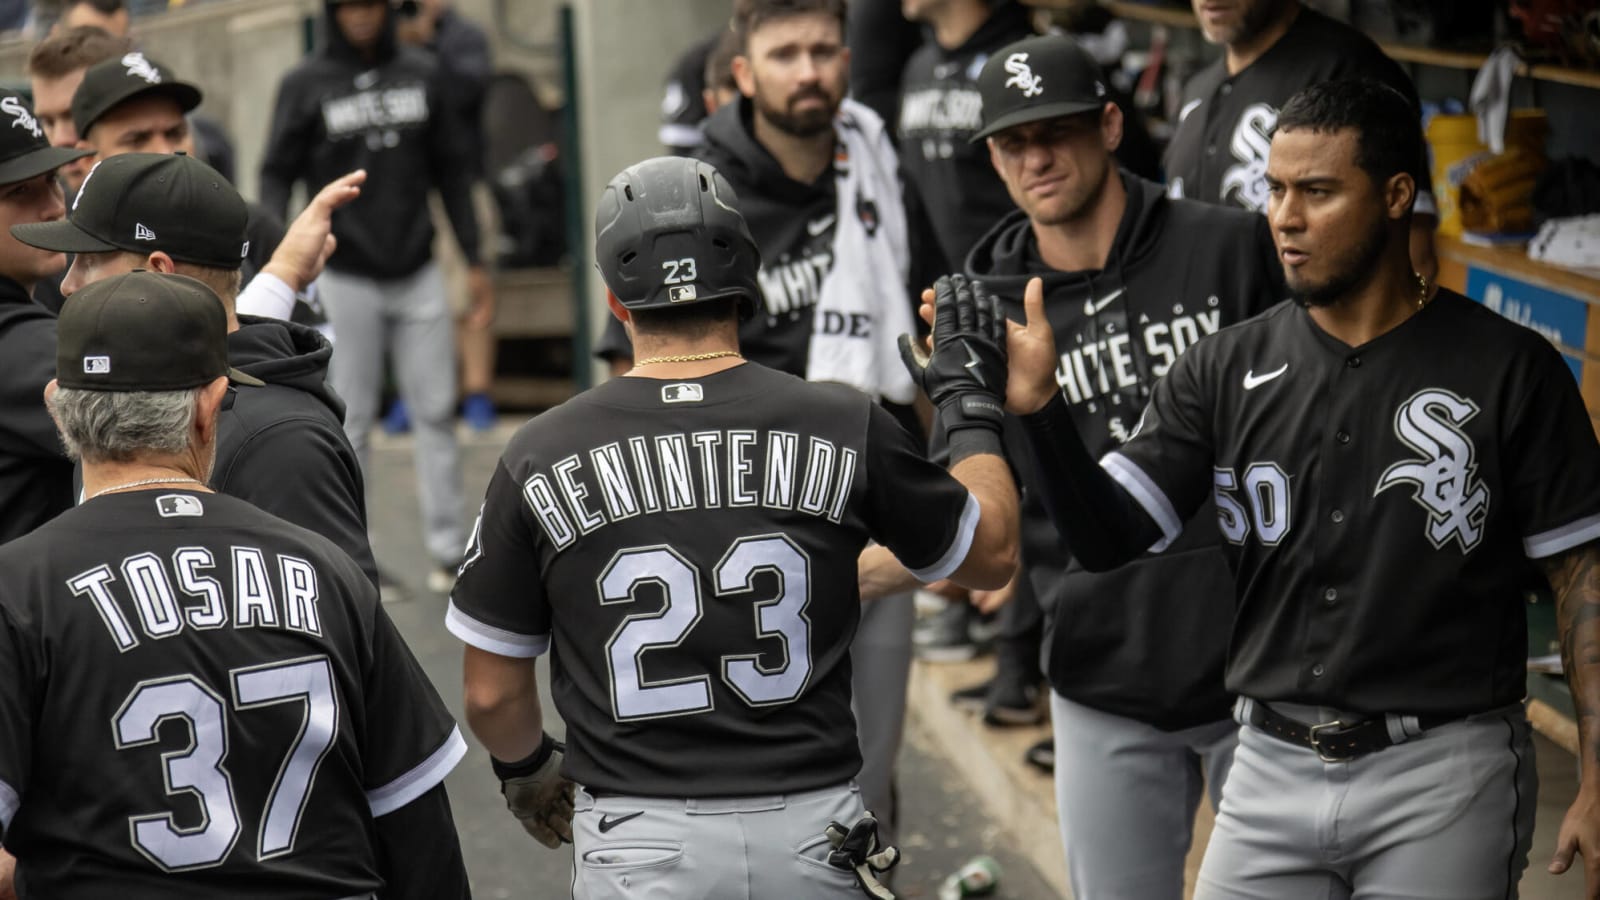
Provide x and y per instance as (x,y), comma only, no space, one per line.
(1389,463)
(1272,50)
(200,700)
(845,247)
(35,481)
(684,541)
(281,445)
(1132,280)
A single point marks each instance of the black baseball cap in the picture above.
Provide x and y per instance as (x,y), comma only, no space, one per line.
(143,331)
(109,83)
(1044,77)
(144,202)
(24,151)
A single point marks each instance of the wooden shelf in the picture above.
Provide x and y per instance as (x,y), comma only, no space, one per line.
(1515,261)
(1177,17)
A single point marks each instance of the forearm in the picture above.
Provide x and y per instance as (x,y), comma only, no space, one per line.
(1100,522)
(880,574)
(992,558)
(8,875)
(1575,578)
(268,295)
(502,701)
(419,855)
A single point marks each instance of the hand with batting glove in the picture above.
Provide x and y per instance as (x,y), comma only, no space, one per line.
(537,795)
(965,374)
(856,849)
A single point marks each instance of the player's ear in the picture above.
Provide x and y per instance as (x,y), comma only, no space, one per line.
(743,76)
(50,391)
(617,309)
(159,261)
(1399,193)
(210,409)
(1111,124)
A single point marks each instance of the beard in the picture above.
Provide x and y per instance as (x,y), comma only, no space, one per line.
(802,124)
(1350,270)
(1255,19)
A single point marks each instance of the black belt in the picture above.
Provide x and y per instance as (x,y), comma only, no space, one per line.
(1336,741)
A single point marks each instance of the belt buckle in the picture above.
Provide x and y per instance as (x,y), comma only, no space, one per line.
(1316,744)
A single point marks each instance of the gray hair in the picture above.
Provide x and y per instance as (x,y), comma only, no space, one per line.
(120,426)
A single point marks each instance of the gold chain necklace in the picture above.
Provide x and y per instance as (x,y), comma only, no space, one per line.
(688,357)
(134,484)
(1422,289)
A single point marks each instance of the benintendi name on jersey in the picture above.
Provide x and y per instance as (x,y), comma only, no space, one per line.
(695,470)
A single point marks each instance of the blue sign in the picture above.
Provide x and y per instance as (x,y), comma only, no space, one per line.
(1558,317)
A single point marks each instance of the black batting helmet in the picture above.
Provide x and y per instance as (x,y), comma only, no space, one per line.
(668,232)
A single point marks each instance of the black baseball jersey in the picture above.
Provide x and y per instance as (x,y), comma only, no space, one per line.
(1219,152)
(1379,504)
(687,552)
(199,696)
(1177,272)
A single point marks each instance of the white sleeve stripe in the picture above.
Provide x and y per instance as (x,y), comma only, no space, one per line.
(676,134)
(419,780)
(9,803)
(1147,494)
(1556,540)
(494,640)
(957,554)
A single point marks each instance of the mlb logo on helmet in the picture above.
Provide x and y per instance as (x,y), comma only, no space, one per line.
(170,505)
(97,365)
(682,393)
(681,293)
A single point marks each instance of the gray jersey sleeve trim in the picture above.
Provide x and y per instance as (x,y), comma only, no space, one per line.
(420,780)
(9,802)
(1556,540)
(957,554)
(494,640)
(1148,495)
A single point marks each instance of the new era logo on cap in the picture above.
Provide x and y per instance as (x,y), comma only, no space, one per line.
(97,365)
(141,233)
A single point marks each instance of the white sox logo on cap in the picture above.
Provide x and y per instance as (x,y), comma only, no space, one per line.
(1022,77)
(139,67)
(21,117)
(79,196)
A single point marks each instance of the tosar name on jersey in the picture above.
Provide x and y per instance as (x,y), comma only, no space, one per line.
(166,595)
(1099,367)
(777,470)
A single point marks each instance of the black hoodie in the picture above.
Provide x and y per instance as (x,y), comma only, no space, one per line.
(35,476)
(282,447)
(335,113)
(793,225)
(1148,640)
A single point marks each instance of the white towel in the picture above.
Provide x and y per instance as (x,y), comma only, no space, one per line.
(1491,97)
(863,307)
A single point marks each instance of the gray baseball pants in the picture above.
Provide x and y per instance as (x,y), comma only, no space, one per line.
(1445,815)
(406,320)
(1126,796)
(726,848)
(880,668)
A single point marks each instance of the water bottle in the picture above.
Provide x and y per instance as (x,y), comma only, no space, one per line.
(978,878)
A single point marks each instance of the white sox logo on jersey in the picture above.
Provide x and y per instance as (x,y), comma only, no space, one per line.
(1022,77)
(1446,479)
(1246,183)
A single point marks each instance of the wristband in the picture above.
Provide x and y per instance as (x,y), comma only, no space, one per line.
(967,442)
(529,764)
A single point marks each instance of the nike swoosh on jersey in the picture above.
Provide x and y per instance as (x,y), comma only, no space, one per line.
(1090,307)
(1253,381)
(818,226)
(607,823)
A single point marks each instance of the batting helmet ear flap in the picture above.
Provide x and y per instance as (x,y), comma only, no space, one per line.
(668,232)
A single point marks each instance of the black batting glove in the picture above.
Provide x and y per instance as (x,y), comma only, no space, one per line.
(965,375)
(537,795)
